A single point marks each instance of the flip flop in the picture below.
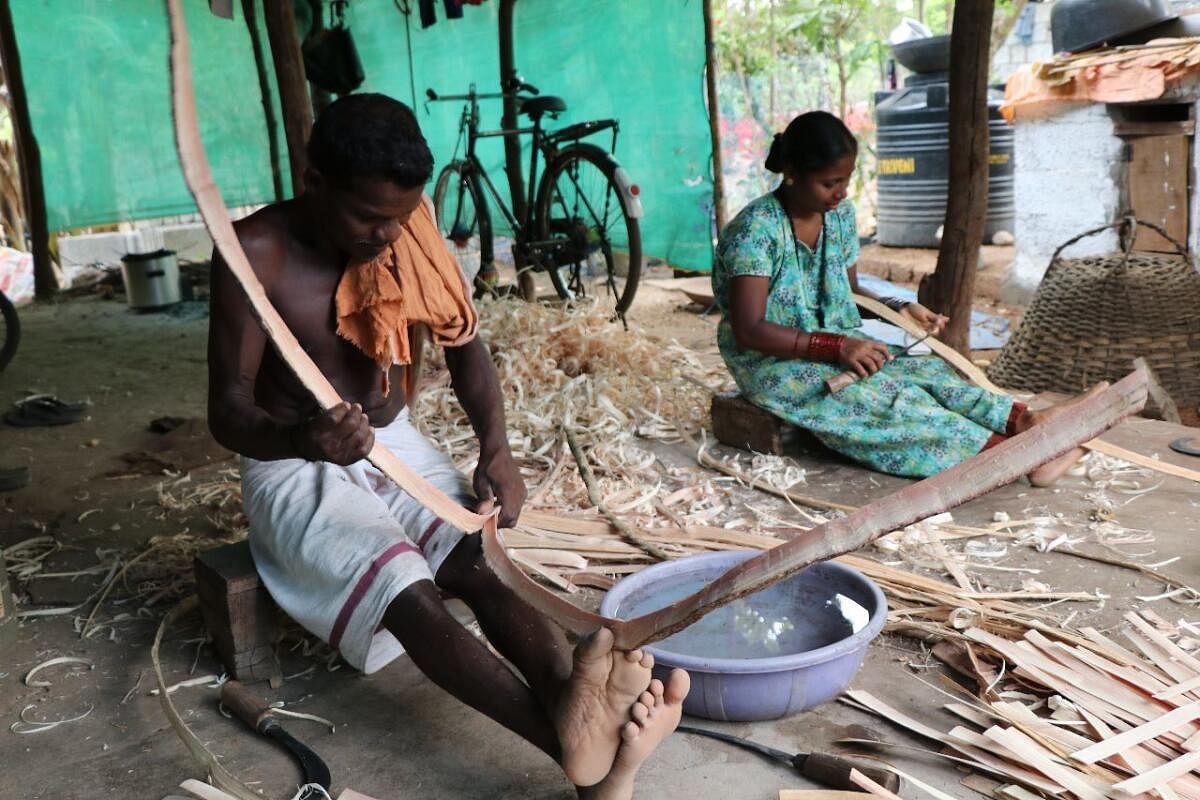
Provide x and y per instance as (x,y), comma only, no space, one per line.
(15,478)
(1187,446)
(43,410)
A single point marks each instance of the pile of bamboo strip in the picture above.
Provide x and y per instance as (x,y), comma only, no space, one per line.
(1078,715)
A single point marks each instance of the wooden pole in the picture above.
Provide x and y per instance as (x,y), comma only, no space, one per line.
(512,148)
(293,87)
(29,159)
(264,89)
(714,116)
(951,288)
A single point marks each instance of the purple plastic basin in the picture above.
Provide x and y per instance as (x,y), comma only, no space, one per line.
(785,649)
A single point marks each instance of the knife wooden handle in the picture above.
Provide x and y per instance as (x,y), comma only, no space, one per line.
(245,704)
(841,381)
(834,772)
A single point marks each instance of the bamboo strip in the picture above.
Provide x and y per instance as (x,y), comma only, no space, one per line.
(1033,754)
(1160,775)
(1150,730)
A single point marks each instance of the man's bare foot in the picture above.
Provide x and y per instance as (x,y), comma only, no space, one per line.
(1049,473)
(595,704)
(654,717)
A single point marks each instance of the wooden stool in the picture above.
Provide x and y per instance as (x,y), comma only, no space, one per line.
(238,612)
(739,423)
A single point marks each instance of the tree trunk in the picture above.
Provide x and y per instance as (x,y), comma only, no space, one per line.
(950,289)
(293,87)
(264,90)
(29,159)
(512,147)
(714,117)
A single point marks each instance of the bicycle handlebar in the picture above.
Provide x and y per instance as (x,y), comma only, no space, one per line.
(434,97)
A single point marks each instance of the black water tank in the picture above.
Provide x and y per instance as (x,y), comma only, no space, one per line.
(913,147)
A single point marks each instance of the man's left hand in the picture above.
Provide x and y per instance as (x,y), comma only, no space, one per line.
(498,480)
(934,323)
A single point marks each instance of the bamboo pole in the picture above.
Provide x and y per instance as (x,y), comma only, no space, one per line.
(29,159)
(250,12)
(293,88)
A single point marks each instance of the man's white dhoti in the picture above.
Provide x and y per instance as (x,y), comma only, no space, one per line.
(335,545)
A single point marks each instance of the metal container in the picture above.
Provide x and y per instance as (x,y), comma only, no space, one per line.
(1077,25)
(930,54)
(151,279)
(913,146)
(755,687)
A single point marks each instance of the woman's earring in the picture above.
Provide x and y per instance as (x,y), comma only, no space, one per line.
(789,181)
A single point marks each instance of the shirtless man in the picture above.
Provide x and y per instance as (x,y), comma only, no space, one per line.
(345,552)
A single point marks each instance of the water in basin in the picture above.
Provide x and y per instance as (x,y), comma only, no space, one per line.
(803,613)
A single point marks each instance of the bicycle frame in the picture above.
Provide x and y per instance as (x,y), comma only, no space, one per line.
(542,142)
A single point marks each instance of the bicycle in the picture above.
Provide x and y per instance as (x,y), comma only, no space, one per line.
(582,228)
(11,330)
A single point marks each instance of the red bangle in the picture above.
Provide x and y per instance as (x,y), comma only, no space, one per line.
(824,346)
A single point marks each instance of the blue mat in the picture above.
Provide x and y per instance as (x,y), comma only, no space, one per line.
(988,331)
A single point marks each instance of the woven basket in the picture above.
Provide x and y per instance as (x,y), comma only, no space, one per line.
(1092,316)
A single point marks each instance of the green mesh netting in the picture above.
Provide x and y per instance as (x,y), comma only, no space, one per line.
(99,95)
(639,62)
(96,75)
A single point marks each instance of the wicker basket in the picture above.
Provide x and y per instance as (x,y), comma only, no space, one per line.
(1092,316)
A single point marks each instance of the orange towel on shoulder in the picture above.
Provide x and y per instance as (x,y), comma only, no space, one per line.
(414,281)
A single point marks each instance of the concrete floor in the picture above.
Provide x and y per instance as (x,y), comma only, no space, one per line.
(398,736)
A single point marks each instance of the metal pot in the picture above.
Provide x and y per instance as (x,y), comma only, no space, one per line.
(1077,25)
(151,279)
(930,54)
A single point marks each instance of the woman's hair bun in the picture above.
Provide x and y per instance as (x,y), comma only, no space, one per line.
(775,156)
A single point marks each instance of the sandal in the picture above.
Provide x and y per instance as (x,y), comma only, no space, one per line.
(45,409)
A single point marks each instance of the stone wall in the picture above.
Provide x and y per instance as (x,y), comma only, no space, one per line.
(1066,181)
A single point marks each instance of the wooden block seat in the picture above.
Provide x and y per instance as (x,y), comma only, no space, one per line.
(238,612)
(739,423)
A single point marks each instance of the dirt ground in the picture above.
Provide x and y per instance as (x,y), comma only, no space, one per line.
(398,736)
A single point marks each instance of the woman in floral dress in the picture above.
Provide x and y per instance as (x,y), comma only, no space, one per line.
(783,278)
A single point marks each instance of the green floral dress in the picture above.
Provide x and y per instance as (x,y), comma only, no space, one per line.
(915,417)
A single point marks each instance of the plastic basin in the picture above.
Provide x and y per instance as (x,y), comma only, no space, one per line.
(785,649)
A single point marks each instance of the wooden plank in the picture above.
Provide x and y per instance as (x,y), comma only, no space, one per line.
(1176,127)
(1150,730)
(814,794)
(1157,177)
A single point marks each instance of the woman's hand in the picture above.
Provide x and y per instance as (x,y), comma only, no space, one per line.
(927,319)
(863,356)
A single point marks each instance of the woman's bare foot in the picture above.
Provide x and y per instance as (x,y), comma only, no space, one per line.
(654,717)
(1049,473)
(595,704)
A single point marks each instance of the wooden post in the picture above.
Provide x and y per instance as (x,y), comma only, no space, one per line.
(512,148)
(264,89)
(29,160)
(293,87)
(951,288)
(714,116)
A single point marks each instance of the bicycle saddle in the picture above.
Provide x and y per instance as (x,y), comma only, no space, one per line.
(534,107)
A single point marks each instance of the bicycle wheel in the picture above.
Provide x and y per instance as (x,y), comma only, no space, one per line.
(463,219)
(592,244)
(11,330)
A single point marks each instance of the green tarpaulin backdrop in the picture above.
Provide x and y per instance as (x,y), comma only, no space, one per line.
(97,80)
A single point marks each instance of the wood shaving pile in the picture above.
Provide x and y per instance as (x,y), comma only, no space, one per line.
(1082,716)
